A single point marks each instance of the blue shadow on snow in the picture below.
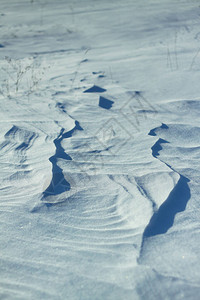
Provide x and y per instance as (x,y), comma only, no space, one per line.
(95,89)
(105,103)
(176,202)
(58,183)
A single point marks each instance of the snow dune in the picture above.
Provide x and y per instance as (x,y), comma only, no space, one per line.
(99,150)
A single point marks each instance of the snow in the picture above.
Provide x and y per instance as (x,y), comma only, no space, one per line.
(99,149)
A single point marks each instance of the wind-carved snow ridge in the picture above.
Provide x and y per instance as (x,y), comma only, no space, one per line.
(18,140)
(58,184)
(176,202)
(21,138)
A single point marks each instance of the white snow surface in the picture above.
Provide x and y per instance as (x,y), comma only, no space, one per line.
(99,202)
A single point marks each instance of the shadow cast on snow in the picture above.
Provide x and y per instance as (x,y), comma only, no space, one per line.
(176,202)
(105,103)
(58,183)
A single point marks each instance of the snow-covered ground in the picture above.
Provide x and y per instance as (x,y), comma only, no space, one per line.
(99,149)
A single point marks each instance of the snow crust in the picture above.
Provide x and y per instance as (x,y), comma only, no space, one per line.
(99,149)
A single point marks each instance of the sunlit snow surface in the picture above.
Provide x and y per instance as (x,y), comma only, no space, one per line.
(99,149)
